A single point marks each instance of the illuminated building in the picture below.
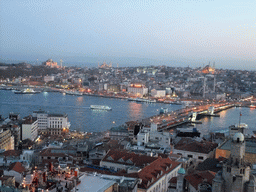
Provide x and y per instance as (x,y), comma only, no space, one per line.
(53,124)
(208,69)
(137,89)
(6,139)
(50,63)
(57,123)
(158,93)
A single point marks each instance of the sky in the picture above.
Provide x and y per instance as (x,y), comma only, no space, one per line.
(130,32)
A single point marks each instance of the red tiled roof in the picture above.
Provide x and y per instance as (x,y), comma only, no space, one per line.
(11,153)
(136,159)
(188,144)
(196,178)
(154,171)
(47,152)
(18,167)
(173,180)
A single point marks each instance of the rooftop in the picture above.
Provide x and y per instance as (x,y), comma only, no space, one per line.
(250,145)
(57,115)
(119,129)
(154,171)
(188,144)
(197,178)
(18,167)
(91,183)
(127,158)
(29,120)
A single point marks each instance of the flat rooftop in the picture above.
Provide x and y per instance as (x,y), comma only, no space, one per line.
(91,183)
(250,146)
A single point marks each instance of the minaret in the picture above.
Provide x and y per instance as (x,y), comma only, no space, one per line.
(204,87)
(214,78)
(61,63)
(180,180)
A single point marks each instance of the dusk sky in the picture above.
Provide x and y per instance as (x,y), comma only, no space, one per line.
(130,32)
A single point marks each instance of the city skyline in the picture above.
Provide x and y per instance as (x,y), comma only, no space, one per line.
(130,33)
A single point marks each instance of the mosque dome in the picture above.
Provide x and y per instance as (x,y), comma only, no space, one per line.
(182,171)
(238,138)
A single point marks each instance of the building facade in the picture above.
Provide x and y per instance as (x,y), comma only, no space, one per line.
(137,90)
(57,123)
(52,124)
(29,128)
(6,139)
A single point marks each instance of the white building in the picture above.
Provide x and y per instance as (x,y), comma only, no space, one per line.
(138,90)
(57,123)
(157,175)
(42,118)
(48,78)
(150,134)
(27,155)
(53,124)
(29,128)
(158,93)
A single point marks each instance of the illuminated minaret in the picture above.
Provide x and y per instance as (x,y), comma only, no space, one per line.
(214,78)
(204,87)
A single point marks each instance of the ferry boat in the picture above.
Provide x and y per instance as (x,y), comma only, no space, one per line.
(26,91)
(100,107)
(252,106)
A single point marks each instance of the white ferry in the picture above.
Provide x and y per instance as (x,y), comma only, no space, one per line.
(27,91)
(100,107)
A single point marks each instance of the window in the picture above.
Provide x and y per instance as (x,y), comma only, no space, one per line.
(190,156)
(200,157)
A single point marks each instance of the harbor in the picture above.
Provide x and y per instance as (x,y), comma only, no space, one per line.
(86,120)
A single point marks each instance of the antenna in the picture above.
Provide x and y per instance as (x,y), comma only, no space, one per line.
(61,63)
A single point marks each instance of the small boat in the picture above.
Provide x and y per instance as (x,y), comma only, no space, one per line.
(100,107)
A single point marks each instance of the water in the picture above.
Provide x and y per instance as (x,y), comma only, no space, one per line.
(84,119)
(227,118)
(81,117)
